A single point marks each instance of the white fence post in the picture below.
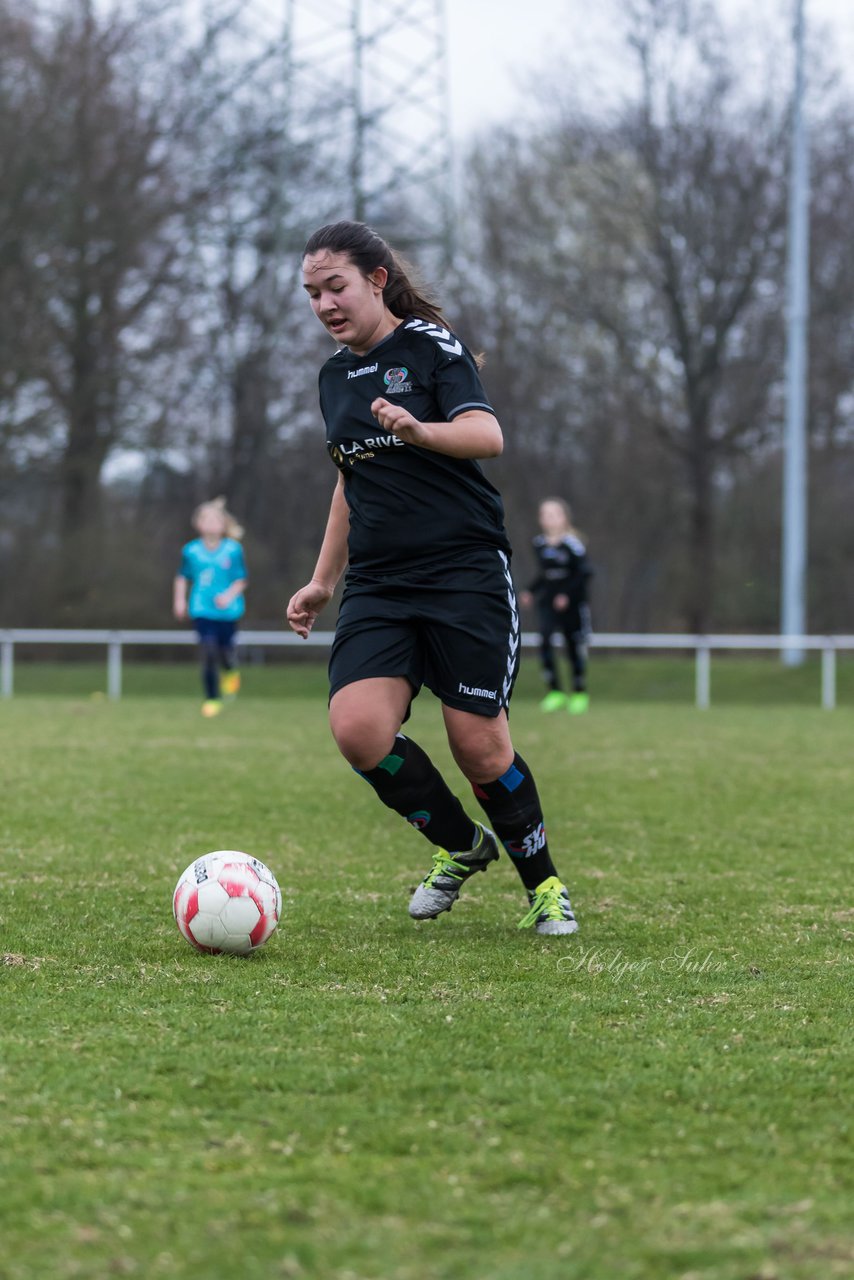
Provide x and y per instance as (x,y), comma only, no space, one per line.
(7,667)
(828,677)
(703,680)
(114,667)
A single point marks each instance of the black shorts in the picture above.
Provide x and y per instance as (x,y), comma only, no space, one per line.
(453,627)
(572,623)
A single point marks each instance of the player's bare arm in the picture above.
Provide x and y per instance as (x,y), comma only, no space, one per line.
(305,605)
(473,434)
(224,599)
(179,598)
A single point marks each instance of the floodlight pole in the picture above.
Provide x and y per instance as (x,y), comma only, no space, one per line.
(384,65)
(793,614)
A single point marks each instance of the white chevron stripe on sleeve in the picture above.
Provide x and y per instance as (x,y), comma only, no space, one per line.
(443,337)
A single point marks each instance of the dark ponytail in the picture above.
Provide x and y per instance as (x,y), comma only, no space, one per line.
(404,294)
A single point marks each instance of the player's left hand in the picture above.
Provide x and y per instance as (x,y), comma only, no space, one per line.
(560,604)
(393,417)
(304,606)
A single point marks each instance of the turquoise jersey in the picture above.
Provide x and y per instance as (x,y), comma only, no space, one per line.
(211,572)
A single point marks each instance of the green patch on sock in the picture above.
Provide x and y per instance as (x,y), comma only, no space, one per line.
(391,764)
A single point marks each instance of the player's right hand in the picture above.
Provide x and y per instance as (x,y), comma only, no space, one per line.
(305,605)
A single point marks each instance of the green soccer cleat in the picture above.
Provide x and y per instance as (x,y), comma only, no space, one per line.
(551,910)
(554,701)
(440,888)
(211,707)
(577,703)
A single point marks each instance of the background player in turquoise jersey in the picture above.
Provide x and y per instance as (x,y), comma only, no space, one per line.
(213,568)
(428,597)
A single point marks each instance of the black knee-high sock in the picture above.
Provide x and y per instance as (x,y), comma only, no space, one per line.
(575,651)
(513,807)
(408,782)
(210,670)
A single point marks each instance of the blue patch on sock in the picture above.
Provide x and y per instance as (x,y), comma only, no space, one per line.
(512,779)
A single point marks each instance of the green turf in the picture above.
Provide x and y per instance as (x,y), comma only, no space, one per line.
(665,1095)
(615,677)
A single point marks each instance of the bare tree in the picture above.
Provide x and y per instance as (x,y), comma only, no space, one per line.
(96,212)
(711,169)
(644,247)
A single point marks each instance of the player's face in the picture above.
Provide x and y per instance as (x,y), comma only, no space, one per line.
(349,305)
(552,518)
(210,522)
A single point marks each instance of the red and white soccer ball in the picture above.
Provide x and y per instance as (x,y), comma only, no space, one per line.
(227,902)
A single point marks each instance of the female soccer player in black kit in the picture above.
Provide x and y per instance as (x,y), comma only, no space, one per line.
(428,596)
(560,592)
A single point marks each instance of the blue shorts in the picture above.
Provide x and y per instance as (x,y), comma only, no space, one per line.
(221,630)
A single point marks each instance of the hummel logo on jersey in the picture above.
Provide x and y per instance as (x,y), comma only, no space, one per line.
(444,337)
(357,373)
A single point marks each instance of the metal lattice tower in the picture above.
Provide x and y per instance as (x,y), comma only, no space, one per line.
(376,74)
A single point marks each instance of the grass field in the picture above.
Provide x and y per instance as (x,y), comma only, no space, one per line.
(667,1094)
(754,681)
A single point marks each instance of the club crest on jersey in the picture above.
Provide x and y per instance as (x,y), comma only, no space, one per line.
(395,380)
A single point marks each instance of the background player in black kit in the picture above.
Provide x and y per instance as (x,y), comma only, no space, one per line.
(428,597)
(560,590)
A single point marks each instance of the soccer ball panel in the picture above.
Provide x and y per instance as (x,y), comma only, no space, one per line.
(263,930)
(212,896)
(268,898)
(185,905)
(240,916)
(207,930)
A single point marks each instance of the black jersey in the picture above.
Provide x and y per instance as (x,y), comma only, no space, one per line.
(408,505)
(563,570)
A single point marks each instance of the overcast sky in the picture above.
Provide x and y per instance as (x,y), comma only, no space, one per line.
(493,44)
